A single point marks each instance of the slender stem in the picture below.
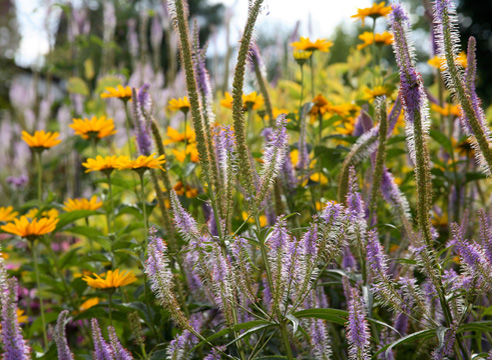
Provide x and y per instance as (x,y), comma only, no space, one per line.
(186,148)
(93,141)
(285,338)
(111,209)
(40,177)
(110,302)
(128,133)
(302,91)
(40,296)
(311,63)
(144,207)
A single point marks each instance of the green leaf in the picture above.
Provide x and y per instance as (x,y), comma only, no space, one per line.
(473,176)
(107,81)
(37,324)
(423,334)
(483,326)
(87,231)
(333,315)
(442,140)
(70,217)
(76,85)
(250,331)
(295,322)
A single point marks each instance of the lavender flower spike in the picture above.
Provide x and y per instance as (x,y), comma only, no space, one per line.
(144,140)
(102,350)
(185,223)
(357,328)
(119,352)
(64,352)
(14,345)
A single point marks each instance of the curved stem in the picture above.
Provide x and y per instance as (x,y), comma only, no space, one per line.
(40,296)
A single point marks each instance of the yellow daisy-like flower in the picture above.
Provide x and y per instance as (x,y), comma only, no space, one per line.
(7,213)
(106,164)
(188,191)
(263,219)
(301,56)
(174,136)
(120,92)
(379,90)
(447,110)
(439,62)
(320,107)
(86,305)
(41,140)
(21,318)
(95,127)
(34,213)
(31,229)
(320,178)
(82,204)
(110,280)
(375,11)
(181,104)
(306,44)
(250,101)
(370,38)
(143,162)
(191,150)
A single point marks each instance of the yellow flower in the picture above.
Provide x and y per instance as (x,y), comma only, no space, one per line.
(123,93)
(82,204)
(440,62)
(439,220)
(21,318)
(301,56)
(375,11)
(180,190)
(250,101)
(191,150)
(447,110)
(110,280)
(370,38)
(34,213)
(37,227)
(97,127)
(377,91)
(41,140)
(263,219)
(346,127)
(7,214)
(320,106)
(175,136)
(89,303)
(106,164)
(179,104)
(320,178)
(143,162)
(306,44)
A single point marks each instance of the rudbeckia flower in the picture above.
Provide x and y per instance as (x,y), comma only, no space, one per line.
(306,44)
(106,164)
(89,303)
(120,92)
(174,136)
(188,190)
(375,11)
(110,280)
(143,162)
(440,62)
(370,38)
(191,150)
(379,90)
(31,229)
(447,110)
(250,101)
(7,214)
(82,204)
(95,127)
(320,107)
(34,213)
(301,56)
(41,140)
(263,219)
(181,104)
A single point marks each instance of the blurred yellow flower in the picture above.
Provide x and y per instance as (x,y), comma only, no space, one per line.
(89,303)
(106,164)
(174,136)
(34,213)
(301,56)
(41,140)
(143,162)
(370,38)
(191,150)
(375,11)
(250,101)
(320,107)
(306,44)
(263,219)
(82,204)
(439,62)
(110,280)
(120,92)
(181,104)
(95,127)
(36,227)
(189,192)
(447,110)
(21,318)
(319,178)
(7,213)
(379,90)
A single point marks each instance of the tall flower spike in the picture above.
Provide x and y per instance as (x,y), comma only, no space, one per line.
(13,343)
(273,157)
(144,140)
(459,84)
(119,352)
(187,226)
(393,195)
(414,102)
(358,330)
(64,352)
(161,278)
(102,351)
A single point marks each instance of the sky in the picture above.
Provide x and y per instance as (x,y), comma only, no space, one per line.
(323,15)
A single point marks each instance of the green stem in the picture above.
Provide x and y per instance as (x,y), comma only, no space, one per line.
(40,178)
(110,215)
(40,296)
(186,148)
(144,207)
(311,63)
(128,133)
(302,91)
(110,302)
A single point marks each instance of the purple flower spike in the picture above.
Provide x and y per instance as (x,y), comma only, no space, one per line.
(64,352)
(375,255)
(187,226)
(119,352)
(357,328)
(102,351)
